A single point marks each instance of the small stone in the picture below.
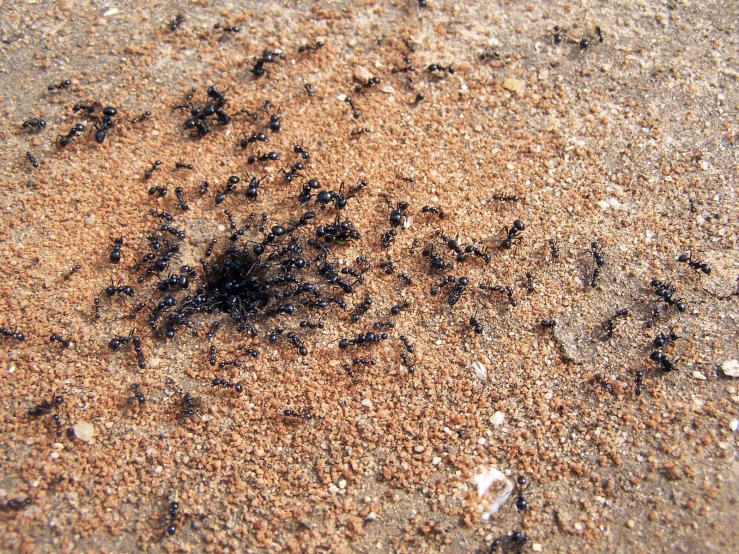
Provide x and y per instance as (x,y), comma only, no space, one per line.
(110,12)
(734,425)
(630,524)
(497,418)
(333,488)
(372,516)
(514,85)
(342,484)
(84,431)
(536,547)
(419,448)
(436,461)
(578,526)
(58,446)
(90,219)
(362,74)
(387,89)
(54,455)
(730,368)
(367,403)
(11,367)
(341,97)
(699,375)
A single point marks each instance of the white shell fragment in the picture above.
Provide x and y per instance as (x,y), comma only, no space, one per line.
(497,418)
(493,488)
(730,368)
(84,431)
(480,371)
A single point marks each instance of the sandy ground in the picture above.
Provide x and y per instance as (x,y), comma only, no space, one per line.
(630,142)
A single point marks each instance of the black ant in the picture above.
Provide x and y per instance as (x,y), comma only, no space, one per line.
(554,249)
(7,333)
(142,117)
(662,339)
(117,342)
(433,210)
(659,357)
(294,414)
(158,192)
(609,326)
(238,387)
(63,85)
(458,291)
(181,165)
(350,101)
(548,324)
(137,397)
(115,253)
(521,486)
(189,406)
(310,90)
(104,124)
(409,366)
(154,167)
(181,199)
(599,32)
(176,22)
(298,149)
(369,84)
(694,264)
(174,506)
(75,131)
(510,541)
(665,291)
(32,159)
(557,37)
(357,132)
(227,29)
(72,271)
(506,198)
(476,325)
(15,504)
(270,156)
(507,290)
(512,233)
(308,47)
(274,123)
(66,343)
(408,346)
(597,252)
(34,123)
(253,138)
(638,382)
(397,308)
(440,68)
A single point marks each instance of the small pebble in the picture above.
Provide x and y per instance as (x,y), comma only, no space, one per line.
(419,448)
(84,431)
(514,85)
(734,424)
(372,516)
(630,524)
(436,461)
(362,74)
(497,418)
(699,375)
(367,403)
(730,368)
